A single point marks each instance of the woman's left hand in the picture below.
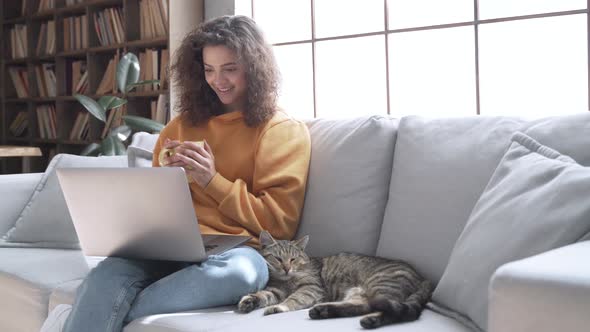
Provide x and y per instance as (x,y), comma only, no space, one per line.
(198,161)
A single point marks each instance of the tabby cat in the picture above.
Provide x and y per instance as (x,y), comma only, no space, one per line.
(343,285)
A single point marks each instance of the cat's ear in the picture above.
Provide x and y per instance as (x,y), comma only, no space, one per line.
(266,239)
(302,242)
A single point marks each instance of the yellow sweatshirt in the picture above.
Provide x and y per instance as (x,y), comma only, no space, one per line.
(261,174)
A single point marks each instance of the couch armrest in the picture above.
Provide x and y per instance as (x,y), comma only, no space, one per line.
(544,293)
(15,190)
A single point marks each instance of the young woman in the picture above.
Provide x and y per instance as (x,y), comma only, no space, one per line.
(249,175)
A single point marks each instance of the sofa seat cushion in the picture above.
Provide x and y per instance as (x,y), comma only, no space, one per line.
(226,320)
(27,277)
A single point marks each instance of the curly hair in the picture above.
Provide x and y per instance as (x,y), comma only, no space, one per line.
(197,101)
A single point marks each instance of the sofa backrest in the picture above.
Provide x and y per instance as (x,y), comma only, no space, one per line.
(440,168)
(348,182)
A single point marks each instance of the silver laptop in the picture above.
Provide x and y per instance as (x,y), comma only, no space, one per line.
(144,213)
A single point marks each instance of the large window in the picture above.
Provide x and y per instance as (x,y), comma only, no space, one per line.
(342,58)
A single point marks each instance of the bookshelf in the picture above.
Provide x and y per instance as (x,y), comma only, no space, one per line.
(37,68)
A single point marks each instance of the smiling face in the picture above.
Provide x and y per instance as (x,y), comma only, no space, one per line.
(226,75)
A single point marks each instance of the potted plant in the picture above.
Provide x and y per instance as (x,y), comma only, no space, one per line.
(115,142)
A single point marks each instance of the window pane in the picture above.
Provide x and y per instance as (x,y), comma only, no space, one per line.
(507,8)
(243,7)
(296,95)
(350,77)
(284,20)
(534,68)
(432,72)
(415,13)
(346,17)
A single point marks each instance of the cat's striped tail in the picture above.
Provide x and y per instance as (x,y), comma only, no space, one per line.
(408,310)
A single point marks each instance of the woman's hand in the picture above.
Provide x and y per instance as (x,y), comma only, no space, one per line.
(198,161)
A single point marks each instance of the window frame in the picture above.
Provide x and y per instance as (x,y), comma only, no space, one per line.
(476,23)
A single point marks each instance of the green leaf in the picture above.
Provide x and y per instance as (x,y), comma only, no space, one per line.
(122,132)
(144,82)
(92,106)
(110,102)
(138,123)
(112,146)
(127,71)
(120,148)
(91,149)
(107,146)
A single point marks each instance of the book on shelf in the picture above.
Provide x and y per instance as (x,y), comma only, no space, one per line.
(114,120)
(18,41)
(75,32)
(154,64)
(109,27)
(23,8)
(47,121)
(46,80)
(45,5)
(159,109)
(153,18)
(108,83)
(80,128)
(20,124)
(79,77)
(46,42)
(19,78)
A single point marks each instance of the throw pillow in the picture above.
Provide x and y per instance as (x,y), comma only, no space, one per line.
(45,220)
(534,202)
(139,152)
(344,212)
(139,157)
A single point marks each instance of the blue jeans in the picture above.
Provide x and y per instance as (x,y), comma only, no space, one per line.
(120,290)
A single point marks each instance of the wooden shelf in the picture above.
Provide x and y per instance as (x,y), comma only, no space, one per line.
(18,139)
(71,10)
(84,143)
(96,57)
(14,100)
(15,20)
(18,61)
(44,15)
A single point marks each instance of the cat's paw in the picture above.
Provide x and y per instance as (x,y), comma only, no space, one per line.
(275,309)
(373,320)
(320,311)
(248,303)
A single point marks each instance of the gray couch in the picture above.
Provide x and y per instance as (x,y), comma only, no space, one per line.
(398,188)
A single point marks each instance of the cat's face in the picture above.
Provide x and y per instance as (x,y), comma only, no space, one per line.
(285,259)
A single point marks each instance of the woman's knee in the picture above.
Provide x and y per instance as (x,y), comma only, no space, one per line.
(246,269)
(116,267)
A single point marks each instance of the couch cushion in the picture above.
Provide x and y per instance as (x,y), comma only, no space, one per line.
(440,168)
(224,319)
(20,188)
(27,277)
(531,204)
(139,152)
(569,135)
(45,220)
(347,184)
